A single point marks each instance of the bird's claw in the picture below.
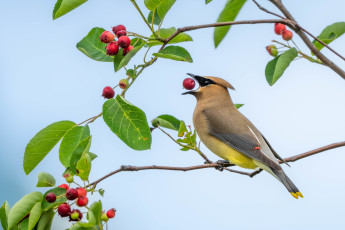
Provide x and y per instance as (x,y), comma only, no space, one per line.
(222,164)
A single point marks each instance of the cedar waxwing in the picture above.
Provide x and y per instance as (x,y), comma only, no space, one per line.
(229,134)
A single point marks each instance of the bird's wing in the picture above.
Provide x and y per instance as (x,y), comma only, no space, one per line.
(238,136)
(274,152)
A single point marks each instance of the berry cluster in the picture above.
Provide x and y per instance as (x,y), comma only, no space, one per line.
(80,196)
(279,29)
(122,42)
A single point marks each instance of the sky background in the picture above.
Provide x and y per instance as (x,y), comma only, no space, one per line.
(44,79)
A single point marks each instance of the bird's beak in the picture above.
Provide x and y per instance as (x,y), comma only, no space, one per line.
(198,79)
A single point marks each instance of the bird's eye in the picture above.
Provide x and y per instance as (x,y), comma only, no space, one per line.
(206,82)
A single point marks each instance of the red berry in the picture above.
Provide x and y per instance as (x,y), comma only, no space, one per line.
(123,83)
(124,41)
(82,201)
(111,213)
(65,186)
(287,35)
(108,92)
(75,215)
(272,50)
(188,83)
(64,209)
(126,50)
(81,192)
(50,197)
(118,28)
(107,37)
(278,28)
(71,194)
(121,33)
(112,48)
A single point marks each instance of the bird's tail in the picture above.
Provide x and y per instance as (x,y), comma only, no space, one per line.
(280,174)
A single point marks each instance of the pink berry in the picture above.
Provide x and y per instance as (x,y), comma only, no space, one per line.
(64,209)
(75,215)
(124,41)
(287,35)
(123,83)
(107,37)
(108,92)
(65,186)
(81,192)
(125,51)
(82,201)
(188,83)
(50,197)
(278,28)
(121,33)
(118,28)
(111,213)
(112,48)
(71,194)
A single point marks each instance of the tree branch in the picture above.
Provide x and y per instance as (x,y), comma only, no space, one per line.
(215,165)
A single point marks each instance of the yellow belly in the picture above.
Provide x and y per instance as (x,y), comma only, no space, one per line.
(227,153)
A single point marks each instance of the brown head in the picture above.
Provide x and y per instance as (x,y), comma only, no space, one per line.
(209,87)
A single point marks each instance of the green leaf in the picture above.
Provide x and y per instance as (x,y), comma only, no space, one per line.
(84,167)
(92,47)
(182,129)
(121,61)
(82,148)
(35,215)
(276,67)
(96,209)
(229,13)
(4,210)
(22,208)
(238,106)
(60,198)
(207,1)
(175,53)
(156,19)
(41,144)
(161,6)
(45,180)
(92,156)
(166,121)
(128,122)
(330,33)
(62,7)
(165,33)
(184,149)
(70,142)
(46,220)
(24,224)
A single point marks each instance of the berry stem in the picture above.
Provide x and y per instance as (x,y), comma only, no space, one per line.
(143,17)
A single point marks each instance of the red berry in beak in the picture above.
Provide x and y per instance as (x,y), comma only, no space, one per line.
(50,197)
(278,28)
(64,210)
(188,83)
(112,48)
(124,42)
(107,37)
(287,35)
(108,92)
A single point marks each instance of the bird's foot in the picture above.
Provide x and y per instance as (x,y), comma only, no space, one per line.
(222,164)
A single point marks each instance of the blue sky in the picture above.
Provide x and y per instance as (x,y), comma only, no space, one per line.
(44,79)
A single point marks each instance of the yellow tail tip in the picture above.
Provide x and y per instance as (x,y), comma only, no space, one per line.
(294,195)
(299,194)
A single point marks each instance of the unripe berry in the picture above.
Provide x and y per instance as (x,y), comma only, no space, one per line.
(65,186)
(50,197)
(71,194)
(64,210)
(272,50)
(188,83)
(287,35)
(118,28)
(111,213)
(108,92)
(112,48)
(81,192)
(69,178)
(121,33)
(104,217)
(123,83)
(82,201)
(76,215)
(124,41)
(107,37)
(126,50)
(278,28)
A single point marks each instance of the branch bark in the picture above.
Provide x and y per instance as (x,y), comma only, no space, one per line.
(215,165)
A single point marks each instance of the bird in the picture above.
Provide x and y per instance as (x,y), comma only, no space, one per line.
(229,134)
